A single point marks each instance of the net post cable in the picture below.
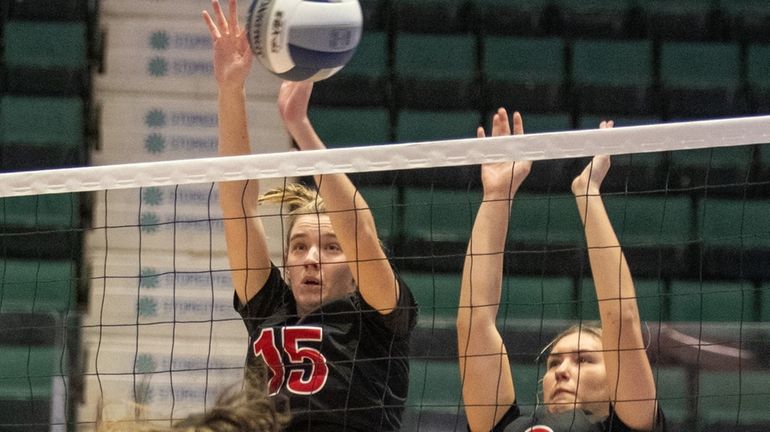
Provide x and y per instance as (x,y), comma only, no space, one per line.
(445,153)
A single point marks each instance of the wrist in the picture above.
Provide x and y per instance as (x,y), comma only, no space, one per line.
(227,89)
(498,195)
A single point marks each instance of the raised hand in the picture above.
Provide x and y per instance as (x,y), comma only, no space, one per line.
(232,55)
(590,180)
(503,179)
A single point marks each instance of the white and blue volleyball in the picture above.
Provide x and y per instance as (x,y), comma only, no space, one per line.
(304,39)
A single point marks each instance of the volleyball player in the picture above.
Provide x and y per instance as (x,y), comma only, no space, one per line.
(595,379)
(334,328)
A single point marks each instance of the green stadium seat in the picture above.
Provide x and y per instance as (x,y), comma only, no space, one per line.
(38,211)
(41,132)
(362,82)
(374,14)
(711,301)
(651,300)
(37,286)
(522,297)
(516,17)
(28,371)
(721,165)
(439,215)
(737,398)
(654,231)
(414,126)
(734,223)
(651,221)
(672,392)
(52,10)
(545,219)
(758,76)
(526,381)
(384,204)
(48,58)
(537,298)
(527,72)
(684,20)
(434,385)
(540,123)
(700,79)
(32,381)
(600,18)
(43,226)
(348,127)
(432,16)
(438,296)
(613,76)
(436,71)
(735,237)
(749,19)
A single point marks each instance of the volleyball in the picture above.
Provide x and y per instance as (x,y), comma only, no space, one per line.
(304,39)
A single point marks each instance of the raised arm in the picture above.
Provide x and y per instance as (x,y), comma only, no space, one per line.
(246,245)
(485,369)
(349,214)
(629,375)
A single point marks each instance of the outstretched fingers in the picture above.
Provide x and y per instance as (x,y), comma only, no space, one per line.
(213,30)
(232,8)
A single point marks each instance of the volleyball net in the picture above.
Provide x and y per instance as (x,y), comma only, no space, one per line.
(146,317)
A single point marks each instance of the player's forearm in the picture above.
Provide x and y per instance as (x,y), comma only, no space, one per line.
(483,268)
(237,197)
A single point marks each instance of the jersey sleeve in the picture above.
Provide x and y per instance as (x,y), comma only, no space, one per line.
(265,303)
(402,319)
(512,414)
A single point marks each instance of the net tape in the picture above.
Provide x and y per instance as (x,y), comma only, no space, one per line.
(471,151)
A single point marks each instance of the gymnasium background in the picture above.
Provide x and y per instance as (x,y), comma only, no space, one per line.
(87,82)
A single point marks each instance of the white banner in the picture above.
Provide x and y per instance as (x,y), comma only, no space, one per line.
(167,56)
(148,128)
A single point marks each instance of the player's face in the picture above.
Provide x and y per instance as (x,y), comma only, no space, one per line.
(317,269)
(575,376)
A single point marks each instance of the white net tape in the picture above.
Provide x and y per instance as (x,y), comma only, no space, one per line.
(558,145)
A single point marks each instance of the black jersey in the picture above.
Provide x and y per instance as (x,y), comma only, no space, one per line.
(343,367)
(569,421)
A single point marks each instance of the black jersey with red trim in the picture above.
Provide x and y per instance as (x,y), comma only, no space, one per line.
(569,421)
(343,367)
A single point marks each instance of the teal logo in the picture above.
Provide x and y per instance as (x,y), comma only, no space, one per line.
(159,40)
(144,364)
(152,196)
(158,67)
(149,278)
(149,222)
(147,307)
(155,143)
(155,118)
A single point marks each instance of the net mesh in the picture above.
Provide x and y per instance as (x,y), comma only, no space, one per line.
(147,317)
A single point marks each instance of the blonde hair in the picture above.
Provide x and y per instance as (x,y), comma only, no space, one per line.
(298,199)
(240,409)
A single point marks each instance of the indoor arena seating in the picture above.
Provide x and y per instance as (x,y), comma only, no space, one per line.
(45,66)
(690,221)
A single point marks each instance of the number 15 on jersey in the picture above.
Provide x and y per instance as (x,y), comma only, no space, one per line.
(306,366)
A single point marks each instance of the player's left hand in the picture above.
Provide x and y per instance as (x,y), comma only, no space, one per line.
(504,178)
(590,180)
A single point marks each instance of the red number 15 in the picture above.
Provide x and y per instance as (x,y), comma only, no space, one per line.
(297,381)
